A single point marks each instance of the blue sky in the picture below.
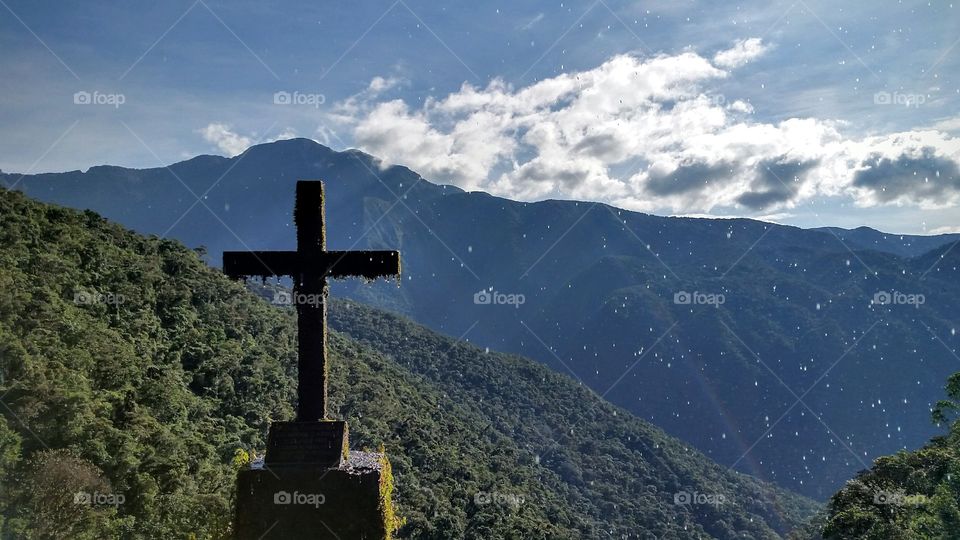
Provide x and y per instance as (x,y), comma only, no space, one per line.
(777,110)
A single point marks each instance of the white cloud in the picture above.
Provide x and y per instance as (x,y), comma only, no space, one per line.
(649,134)
(232,143)
(226,140)
(778,218)
(742,52)
(382,84)
(287,133)
(344,111)
(948,124)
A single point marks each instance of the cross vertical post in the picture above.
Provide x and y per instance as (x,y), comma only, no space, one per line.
(310,266)
(311,286)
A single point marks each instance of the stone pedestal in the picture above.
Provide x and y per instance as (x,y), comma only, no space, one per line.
(325,443)
(336,496)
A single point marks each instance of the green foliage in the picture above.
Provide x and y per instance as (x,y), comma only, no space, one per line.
(387,509)
(946,408)
(132,355)
(241,459)
(492,426)
(66,497)
(907,495)
(129,367)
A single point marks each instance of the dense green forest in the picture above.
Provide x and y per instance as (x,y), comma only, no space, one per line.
(796,298)
(127,369)
(131,374)
(907,495)
(615,475)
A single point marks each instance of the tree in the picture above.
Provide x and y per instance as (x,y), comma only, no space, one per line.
(946,408)
(67,497)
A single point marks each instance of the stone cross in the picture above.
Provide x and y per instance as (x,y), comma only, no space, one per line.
(310,266)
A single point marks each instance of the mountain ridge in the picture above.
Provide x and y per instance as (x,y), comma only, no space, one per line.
(939,239)
(158,389)
(600,289)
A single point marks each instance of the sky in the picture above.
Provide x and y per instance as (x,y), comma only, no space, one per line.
(804,112)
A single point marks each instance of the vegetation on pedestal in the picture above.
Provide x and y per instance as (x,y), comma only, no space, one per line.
(391,520)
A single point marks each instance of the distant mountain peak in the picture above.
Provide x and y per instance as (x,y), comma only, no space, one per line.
(298,144)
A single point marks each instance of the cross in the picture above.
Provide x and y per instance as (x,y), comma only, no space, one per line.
(310,266)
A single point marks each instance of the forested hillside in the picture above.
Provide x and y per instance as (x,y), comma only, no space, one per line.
(600,288)
(129,369)
(907,495)
(131,374)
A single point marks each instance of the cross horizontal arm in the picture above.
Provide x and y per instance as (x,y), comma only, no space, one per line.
(238,264)
(365,264)
(333,264)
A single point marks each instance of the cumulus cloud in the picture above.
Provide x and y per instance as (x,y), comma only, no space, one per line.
(232,143)
(915,174)
(226,140)
(648,134)
(776,181)
(742,52)
(381,84)
(948,124)
(346,110)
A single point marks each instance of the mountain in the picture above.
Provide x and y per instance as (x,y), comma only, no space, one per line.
(780,363)
(904,245)
(135,379)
